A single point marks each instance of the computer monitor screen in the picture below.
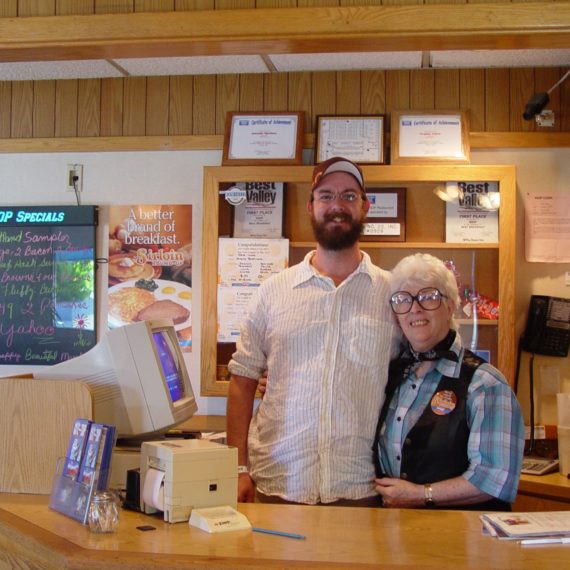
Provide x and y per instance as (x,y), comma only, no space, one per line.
(169,366)
(137,376)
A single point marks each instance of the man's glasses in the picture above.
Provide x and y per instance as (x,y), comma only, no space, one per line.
(326,197)
(428,299)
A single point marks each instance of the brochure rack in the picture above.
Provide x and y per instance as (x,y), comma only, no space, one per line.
(84,470)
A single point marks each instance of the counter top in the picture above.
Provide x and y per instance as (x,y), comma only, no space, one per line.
(32,536)
(553,485)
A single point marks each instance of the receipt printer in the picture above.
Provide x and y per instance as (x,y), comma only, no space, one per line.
(179,475)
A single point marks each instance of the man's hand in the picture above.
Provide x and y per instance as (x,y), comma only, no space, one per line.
(246,488)
(241,393)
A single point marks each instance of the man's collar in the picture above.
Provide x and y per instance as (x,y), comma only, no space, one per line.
(307,271)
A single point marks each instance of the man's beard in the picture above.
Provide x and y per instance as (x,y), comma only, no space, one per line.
(337,238)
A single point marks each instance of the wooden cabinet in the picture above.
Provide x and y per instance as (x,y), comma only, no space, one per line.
(490,266)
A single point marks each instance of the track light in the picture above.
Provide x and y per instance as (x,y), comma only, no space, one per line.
(539,100)
(535,106)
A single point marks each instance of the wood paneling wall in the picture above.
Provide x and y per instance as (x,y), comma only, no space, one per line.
(186,105)
(197,105)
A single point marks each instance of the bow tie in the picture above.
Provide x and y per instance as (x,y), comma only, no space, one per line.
(440,350)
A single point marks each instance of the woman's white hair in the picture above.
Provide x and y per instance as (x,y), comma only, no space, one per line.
(425,270)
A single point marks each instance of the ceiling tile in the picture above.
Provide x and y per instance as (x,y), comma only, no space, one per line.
(37,70)
(501,58)
(347,61)
(198,65)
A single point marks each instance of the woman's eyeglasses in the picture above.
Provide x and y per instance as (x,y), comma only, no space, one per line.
(428,299)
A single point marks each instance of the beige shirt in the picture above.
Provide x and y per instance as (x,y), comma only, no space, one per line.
(327,350)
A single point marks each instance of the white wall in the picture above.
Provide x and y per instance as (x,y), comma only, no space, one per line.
(175,177)
(538,170)
(119,178)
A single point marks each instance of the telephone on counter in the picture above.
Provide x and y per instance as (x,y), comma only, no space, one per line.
(548,326)
(539,465)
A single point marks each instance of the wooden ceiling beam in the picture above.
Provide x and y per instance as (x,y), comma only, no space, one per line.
(287,30)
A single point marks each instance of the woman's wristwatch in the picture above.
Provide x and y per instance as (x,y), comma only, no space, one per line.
(428,492)
(242,469)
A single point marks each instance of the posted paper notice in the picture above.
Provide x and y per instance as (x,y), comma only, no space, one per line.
(547,227)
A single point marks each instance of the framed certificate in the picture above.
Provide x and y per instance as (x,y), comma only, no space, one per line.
(358,138)
(263,138)
(420,137)
(386,220)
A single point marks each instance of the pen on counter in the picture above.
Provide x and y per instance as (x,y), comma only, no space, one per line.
(277,532)
(530,541)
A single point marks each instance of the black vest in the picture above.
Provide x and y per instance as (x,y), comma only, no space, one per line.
(435,449)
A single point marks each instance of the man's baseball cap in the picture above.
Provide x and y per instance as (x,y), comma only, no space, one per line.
(337,164)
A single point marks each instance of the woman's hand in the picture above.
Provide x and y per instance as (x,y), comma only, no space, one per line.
(262,384)
(398,493)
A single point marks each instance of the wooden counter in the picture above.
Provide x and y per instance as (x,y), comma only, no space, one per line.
(543,493)
(33,537)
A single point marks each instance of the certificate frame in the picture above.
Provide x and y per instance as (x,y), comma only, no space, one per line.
(367,147)
(445,138)
(388,228)
(280,144)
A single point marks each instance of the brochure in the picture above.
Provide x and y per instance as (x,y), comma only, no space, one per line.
(527,525)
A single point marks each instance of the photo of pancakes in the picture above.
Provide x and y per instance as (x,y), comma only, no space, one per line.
(169,300)
(123,267)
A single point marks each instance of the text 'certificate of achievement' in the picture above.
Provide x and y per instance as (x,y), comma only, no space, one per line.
(547,227)
(431,136)
(263,137)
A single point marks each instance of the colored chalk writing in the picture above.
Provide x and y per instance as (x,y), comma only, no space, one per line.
(47,283)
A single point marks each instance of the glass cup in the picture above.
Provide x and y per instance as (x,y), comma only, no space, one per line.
(103,516)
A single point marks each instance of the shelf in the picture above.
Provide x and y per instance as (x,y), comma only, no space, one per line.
(493,264)
(406,245)
(480,322)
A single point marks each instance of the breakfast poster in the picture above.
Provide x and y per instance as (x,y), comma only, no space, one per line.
(150,266)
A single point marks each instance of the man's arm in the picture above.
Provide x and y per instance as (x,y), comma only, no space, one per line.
(241,395)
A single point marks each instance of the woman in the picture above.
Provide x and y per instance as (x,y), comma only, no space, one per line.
(450,433)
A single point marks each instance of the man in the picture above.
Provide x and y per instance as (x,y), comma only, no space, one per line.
(323,331)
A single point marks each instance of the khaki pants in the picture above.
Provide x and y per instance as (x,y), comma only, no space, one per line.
(374,501)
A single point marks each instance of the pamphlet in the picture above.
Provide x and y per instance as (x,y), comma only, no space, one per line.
(527,525)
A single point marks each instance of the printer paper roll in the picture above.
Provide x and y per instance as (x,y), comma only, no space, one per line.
(153,491)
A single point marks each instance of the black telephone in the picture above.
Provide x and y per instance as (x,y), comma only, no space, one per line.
(548,326)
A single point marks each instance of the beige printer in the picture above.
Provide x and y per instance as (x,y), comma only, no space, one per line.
(178,475)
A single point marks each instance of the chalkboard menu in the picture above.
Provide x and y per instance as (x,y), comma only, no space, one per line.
(47,283)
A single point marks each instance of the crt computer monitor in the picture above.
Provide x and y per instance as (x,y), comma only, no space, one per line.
(137,377)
